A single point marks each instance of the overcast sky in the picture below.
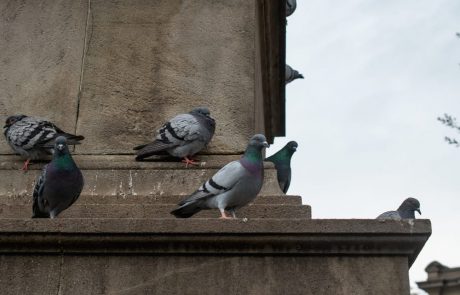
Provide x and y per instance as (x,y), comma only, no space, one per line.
(378,73)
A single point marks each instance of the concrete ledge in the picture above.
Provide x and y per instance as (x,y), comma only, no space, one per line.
(214,236)
(121,175)
(109,162)
(24,199)
(158,211)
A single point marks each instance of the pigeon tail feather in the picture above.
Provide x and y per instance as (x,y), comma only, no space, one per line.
(151,149)
(187,210)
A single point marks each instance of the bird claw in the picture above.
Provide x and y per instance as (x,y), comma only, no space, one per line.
(226,217)
(25,167)
(188,161)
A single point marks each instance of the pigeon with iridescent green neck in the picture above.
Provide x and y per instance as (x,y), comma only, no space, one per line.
(59,185)
(405,211)
(232,187)
(282,161)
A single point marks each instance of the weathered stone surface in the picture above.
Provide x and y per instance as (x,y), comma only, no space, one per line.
(121,175)
(102,274)
(170,256)
(41,58)
(146,199)
(158,211)
(148,61)
(30,274)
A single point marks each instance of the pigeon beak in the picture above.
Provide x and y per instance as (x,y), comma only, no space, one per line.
(418,210)
(294,148)
(60,146)
(266,144)
(6,126)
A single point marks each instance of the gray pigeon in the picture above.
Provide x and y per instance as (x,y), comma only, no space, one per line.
(291,75)
(59,185)
(282,161)
(183,136)
(405,211)
(232,187)
(33,137)
(291,5)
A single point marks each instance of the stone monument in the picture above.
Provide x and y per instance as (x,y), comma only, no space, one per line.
(114,71)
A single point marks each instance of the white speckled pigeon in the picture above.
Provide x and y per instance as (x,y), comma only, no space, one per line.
(291,5)
(405,211)
(33,137)
(59,185)
(291,75)
(183,136)
(282,161)
(232,187)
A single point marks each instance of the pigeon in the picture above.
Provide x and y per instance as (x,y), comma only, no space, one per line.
(232,187)
(183,136)
(59,184)
(33,137)
(405,211)
(291,75)
(282,161)
(291,5)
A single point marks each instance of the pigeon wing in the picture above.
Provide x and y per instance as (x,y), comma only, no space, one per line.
(179,129)
(30,132)
(225,179)
(37,206)
(390,215)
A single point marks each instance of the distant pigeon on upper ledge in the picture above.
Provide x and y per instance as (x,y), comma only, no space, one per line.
(291,75)
(33,137)
(405,211)
(183,136)
(282,161)
(291,5)
(59,185)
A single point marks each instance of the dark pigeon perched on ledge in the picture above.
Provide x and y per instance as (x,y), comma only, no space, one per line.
(282,161)
(291,75)
(59,185)
(405,211)
(183,136)
(33,138)
(232,187)
(291,6)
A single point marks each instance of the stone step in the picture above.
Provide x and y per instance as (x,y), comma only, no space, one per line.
(159,211)
(121,175)
(149,199)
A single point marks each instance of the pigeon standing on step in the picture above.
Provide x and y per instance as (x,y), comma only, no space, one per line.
(291,75)
(33,138)
(59,185)
(183,136)
(232,187)
(405,211)
(282,161)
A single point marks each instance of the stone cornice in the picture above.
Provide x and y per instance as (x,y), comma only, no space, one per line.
(214,236)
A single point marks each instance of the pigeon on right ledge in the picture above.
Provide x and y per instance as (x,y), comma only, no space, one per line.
(405,211)
(282,161)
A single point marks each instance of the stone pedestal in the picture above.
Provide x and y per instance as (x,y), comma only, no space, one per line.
(208,256)
(114,71)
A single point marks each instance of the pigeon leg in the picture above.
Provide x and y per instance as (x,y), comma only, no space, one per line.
(188,161)
(233,213)
(223,214)
(25,167)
